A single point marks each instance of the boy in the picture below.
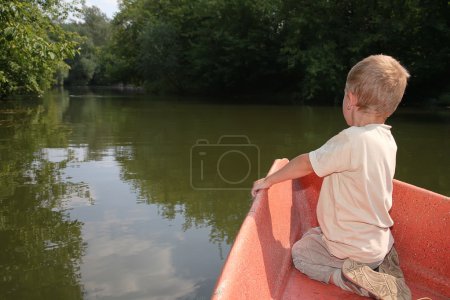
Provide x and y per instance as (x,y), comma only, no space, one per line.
(353,247)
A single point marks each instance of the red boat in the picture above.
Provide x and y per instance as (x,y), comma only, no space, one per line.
(259,265)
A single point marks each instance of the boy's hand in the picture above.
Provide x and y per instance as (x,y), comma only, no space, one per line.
(258,185)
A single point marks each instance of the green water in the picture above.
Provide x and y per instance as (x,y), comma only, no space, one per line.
(113,196)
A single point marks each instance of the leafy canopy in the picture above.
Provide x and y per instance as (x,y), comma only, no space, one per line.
(32,44)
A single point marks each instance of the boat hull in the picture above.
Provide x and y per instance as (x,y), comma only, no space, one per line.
(259,265)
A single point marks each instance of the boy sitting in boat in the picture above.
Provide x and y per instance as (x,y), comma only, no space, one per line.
(353,247)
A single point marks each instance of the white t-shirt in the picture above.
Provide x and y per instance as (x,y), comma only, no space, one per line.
(356,194)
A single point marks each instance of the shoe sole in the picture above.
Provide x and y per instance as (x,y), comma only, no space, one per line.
(379,285)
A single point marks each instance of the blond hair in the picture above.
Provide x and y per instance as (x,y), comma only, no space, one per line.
(379,82)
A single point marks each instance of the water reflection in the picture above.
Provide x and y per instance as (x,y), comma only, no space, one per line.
(130,254)
(152,142)
(41,246)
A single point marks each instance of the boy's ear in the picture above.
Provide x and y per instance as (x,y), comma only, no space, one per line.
(353,99)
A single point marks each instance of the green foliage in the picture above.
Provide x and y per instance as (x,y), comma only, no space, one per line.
(298,47)
(301,47)
(159,59)
(94,31)
(235,45)
(32,45)
(198,46)
(326,47)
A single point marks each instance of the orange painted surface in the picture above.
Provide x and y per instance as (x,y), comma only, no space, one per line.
(259,265)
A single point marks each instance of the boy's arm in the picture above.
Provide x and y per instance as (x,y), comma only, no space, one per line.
(296,168)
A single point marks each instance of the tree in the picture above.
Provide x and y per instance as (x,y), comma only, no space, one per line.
(235,45)
(297,47)
(94,31)
(120,57)
(159,55)
(324,39)
(32,45)
(197,45)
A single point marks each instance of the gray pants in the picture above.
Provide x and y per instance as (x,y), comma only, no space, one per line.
(311,257)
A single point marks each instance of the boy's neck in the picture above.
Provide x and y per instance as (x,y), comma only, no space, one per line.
(362,118)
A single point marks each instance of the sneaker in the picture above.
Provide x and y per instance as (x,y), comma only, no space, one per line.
(353,287)
(391,264)
(379,285)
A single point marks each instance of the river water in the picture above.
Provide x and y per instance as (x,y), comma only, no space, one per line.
(117,196)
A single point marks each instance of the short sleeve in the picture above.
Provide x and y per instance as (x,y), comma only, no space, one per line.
(333,157)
